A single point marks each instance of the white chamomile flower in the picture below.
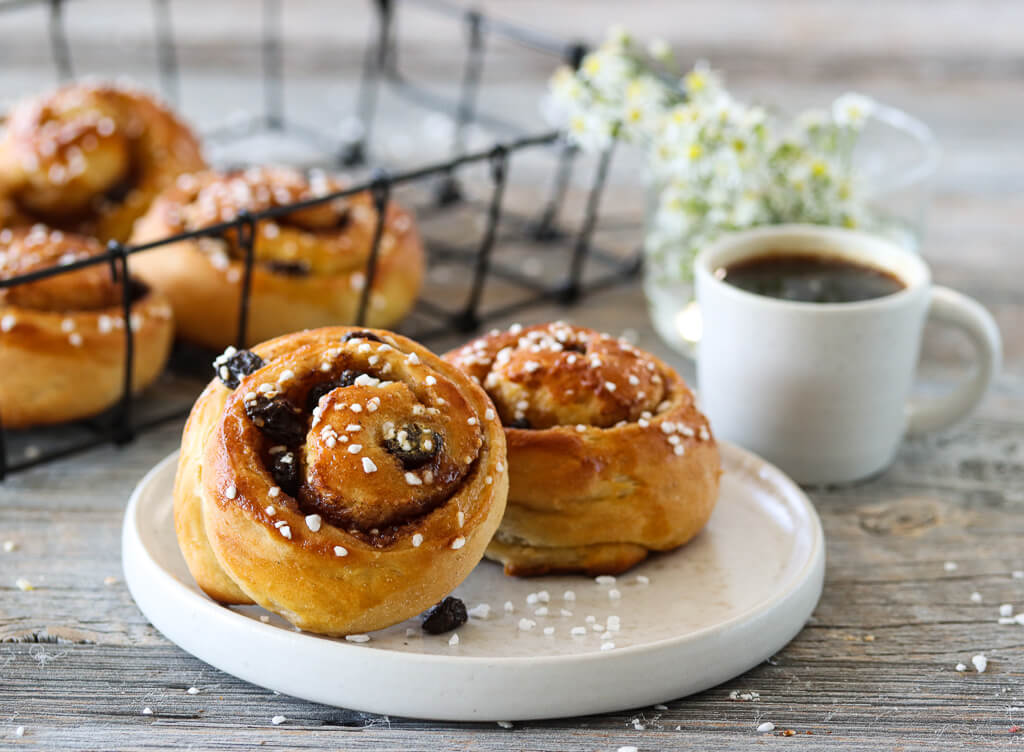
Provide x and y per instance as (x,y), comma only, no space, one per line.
(702,83)
(746,211)
(752,117)
(812,120)
(659,49)
(591,132)
(852,110)
(565,85)
(608,71)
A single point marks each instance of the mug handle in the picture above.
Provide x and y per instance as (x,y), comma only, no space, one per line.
(950,307)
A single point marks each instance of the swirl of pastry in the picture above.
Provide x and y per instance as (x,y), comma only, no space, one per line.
(346,479)
(91,158)
(309,268)
(62,339)
(609,457)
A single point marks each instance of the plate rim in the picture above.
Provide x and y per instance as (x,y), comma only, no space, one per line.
(132,543)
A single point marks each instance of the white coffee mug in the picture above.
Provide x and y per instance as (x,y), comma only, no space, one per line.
(822,389)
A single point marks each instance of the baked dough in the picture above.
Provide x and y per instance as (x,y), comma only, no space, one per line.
(90,159)
(609,457)
(62,338)
(309,268)
(361,507)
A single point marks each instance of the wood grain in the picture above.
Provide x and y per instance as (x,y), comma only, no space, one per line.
(875,667)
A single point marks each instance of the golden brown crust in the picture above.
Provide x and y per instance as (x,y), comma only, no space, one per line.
(636,471)
(523,560)
(310,266)
(90,159)
(62,339)
(387,538)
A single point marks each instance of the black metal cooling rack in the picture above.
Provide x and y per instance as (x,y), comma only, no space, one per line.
(573,264)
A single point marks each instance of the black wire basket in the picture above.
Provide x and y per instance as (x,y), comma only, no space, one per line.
(514,258)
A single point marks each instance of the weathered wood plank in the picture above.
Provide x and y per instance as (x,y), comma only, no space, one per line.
(874,669)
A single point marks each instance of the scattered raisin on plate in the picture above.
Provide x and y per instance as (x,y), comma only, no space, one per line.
(447,615)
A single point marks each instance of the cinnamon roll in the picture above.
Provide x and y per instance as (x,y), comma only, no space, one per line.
(346,479)
(62,338)
(309,268)
(90,159)
(609,457)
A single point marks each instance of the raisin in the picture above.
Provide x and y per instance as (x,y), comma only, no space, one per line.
(318,391)
(137,290)
(520,423)
(447,615)
(288,268)
(277,418)
(285,471)
(118,192)
(231,368)
(344,217)
(361,335)
(347,378)
(409,449)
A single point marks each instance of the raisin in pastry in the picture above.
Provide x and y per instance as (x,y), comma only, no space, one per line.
(357,459)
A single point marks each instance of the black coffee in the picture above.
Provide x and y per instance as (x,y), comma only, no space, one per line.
(809,278)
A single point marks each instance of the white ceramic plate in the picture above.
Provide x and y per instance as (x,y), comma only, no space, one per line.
(711,610)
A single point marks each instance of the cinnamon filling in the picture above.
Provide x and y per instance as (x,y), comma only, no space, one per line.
(220,198)
(347,378)
(288,268)
(79,207)
(559,375)
(306,447)
(413,446)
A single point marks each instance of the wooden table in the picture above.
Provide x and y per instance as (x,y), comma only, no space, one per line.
(919,559)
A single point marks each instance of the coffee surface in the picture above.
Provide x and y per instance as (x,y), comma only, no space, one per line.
(810,278)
